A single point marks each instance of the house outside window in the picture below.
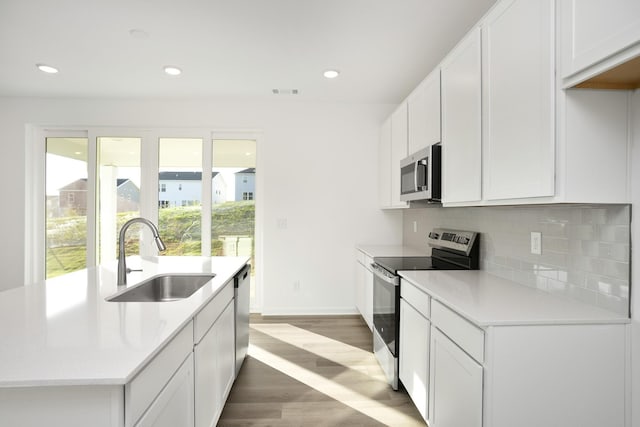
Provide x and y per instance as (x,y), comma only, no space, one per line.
(163,188)
(247,195)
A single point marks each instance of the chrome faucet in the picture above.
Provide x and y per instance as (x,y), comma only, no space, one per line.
(122,263)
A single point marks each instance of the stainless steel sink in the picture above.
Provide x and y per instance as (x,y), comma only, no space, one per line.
(162,288)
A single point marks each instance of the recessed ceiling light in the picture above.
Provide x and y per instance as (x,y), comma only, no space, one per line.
(172,71)
(331,74)
(47,68)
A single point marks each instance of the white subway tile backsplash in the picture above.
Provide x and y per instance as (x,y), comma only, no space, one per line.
(585,248)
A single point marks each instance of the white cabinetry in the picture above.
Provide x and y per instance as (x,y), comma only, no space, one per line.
(423,106)
(174,405)
(364,287)
(414,349)
(518,100)
(399,134)
(461,122)
(163,387)
(392,147)
(599,34)
(507,373)
(456,385)
(384,165)
(214,358)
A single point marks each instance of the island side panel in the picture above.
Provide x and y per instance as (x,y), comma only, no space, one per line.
(69,406)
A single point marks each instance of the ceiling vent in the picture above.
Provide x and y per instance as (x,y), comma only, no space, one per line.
(284,91)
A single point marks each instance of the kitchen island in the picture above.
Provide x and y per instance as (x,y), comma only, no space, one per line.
(70,357)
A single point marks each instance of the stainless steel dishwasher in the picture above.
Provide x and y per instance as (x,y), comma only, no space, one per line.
(241,306)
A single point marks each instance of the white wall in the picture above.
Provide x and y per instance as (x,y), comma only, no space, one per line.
(316,167)
(635,262)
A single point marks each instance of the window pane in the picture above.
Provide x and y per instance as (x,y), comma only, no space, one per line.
(66,205)
(234,209)
(180,195)
(118,193)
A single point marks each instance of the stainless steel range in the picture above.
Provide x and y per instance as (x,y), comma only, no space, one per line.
(451,250)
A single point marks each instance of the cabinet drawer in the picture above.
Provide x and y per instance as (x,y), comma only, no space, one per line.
(418,299)
(205,317)
(367,262)
(364,259)
(469,337)
(143,389)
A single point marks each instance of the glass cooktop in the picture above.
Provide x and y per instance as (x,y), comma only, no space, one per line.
(395,264)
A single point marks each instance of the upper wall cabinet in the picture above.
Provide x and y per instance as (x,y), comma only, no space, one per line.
(391,149)
(511,132)
(424,113)
(518,100)
(461,122)
(598,35)
(384,165)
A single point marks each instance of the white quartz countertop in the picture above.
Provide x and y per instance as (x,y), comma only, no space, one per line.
(390,250)
(63,331)
(488,300)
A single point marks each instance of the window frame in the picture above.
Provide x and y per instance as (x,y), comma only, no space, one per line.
(35,190)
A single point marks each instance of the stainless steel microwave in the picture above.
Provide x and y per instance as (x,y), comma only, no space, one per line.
(420,175)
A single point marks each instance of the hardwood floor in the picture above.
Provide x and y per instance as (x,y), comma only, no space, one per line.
(314,371)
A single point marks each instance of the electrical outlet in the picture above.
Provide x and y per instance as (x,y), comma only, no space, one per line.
(296,286)
(536,243)
(415,226)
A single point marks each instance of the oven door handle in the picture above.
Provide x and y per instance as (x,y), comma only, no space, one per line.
(380,273)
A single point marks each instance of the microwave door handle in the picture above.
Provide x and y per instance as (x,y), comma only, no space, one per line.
(415,175)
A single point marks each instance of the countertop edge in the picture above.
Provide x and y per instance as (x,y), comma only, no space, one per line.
(484,323)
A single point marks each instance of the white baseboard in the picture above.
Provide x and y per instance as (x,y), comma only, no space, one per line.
(315,311)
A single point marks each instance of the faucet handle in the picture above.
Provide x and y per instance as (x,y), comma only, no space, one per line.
(129,270)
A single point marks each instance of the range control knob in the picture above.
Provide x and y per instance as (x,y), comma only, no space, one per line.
(434,236)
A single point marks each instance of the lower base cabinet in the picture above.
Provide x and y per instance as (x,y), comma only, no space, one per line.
(364,287)
(174,405)
(524,375)
(414,360)
(456,385)
(215,369)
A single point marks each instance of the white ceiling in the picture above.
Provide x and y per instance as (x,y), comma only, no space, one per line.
(228,48)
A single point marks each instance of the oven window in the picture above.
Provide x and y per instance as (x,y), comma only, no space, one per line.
(386,299)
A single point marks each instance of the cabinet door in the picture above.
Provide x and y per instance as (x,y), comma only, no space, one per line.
(461,122)
(368,298)
(518,100)
(593,30)
(424,113)
(455,385)
(214,369)
(414,356)
(359,285)
(174,405)
(384,165)
(398,151)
